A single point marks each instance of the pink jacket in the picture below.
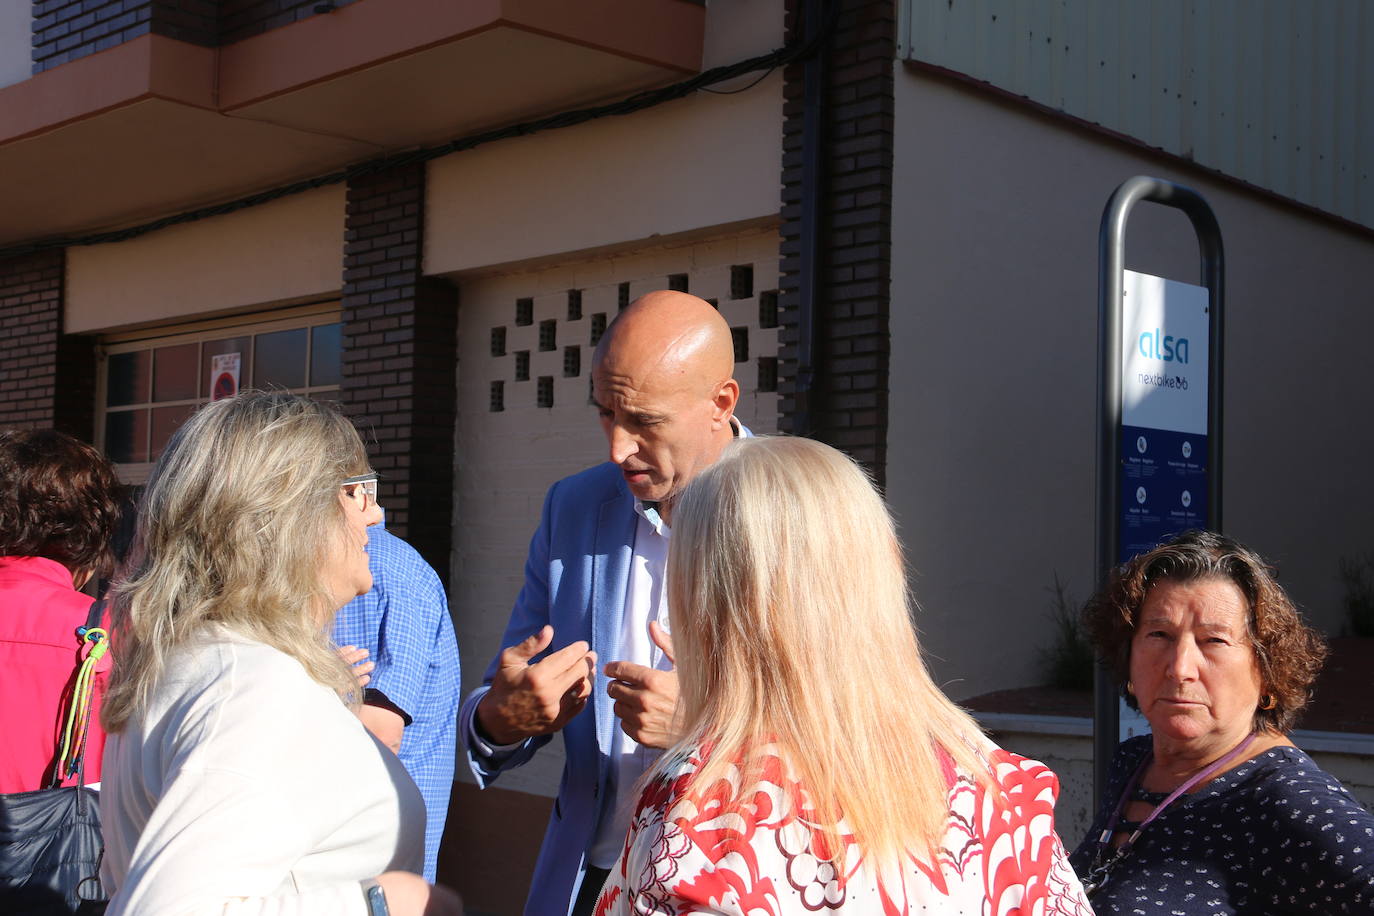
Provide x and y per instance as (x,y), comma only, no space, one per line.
(39,614)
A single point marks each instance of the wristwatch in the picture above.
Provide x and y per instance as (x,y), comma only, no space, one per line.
(375,897)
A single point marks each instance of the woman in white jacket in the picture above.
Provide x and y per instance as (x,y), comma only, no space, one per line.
(237,779)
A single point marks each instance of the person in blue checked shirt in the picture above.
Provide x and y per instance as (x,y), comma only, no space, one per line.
(411,701)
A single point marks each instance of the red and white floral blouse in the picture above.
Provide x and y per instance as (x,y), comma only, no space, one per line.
(686,853)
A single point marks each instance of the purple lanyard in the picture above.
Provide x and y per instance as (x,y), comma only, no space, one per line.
(1098,875)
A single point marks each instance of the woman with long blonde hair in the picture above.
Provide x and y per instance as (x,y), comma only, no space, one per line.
(820,767)
(237,779)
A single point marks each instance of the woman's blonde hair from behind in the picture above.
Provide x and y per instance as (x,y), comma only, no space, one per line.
(792,624)
(237,517)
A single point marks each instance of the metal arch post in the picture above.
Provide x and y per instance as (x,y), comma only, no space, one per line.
(1111,262)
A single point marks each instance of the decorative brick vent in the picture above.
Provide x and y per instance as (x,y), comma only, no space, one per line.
(741,281)
(518,351)
(768,373)
(740,338)
(768,309)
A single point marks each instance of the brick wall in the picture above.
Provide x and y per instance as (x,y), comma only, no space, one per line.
(848,401)
(47,379)
(192,21)
(399,358)
(240,19)
(65,30)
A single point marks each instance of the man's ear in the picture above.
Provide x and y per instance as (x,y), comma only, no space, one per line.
(724,401)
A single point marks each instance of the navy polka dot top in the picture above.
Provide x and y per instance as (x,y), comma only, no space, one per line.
(1275,834)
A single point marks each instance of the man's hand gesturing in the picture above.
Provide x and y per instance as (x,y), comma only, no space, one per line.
(646,698)
(539,698)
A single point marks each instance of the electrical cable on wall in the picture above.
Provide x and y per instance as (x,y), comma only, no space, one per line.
(634,103)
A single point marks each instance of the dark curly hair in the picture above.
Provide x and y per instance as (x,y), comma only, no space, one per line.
(1289,652)
(60,500)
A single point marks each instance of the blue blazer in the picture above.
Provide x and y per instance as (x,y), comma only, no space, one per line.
(575,579)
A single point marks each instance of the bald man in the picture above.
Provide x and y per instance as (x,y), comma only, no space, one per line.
(594,590)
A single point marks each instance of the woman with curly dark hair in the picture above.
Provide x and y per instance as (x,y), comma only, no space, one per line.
(59,504)
(1216,811)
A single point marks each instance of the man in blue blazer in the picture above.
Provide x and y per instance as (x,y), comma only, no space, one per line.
(594,590)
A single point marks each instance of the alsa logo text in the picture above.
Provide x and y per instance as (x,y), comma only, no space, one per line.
(1154,345)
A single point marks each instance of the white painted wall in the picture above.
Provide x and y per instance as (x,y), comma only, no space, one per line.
(994,310)
(270,253)
(740,29)
(506,461)
(16,41)
(697,162)
(706,160)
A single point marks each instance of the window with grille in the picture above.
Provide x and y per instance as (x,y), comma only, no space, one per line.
(149,386)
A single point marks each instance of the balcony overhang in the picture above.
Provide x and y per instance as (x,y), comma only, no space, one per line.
(156,126)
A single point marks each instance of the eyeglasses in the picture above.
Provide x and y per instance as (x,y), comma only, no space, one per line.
(366,484)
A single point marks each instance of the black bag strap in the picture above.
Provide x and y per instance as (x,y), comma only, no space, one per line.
(94,615)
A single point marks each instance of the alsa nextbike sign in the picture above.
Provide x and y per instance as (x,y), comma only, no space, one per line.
(1163,410)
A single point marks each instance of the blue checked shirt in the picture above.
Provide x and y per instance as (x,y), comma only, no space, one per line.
(404,623)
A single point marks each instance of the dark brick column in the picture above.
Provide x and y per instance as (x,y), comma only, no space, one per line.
(47,378)
(849,397)
(400,351)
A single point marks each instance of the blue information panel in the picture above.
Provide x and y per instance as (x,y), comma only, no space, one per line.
(1163,486)
(1163,473)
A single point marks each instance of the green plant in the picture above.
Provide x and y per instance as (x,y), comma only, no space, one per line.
(1068,662)
(1357,575)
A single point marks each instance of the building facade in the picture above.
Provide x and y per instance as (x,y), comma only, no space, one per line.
(428,211)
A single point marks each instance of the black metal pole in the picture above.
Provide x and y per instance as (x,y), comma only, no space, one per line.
(1111,261)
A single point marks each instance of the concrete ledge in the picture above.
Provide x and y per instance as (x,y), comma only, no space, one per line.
(1334,742)
(1067,726)
(1078,727)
